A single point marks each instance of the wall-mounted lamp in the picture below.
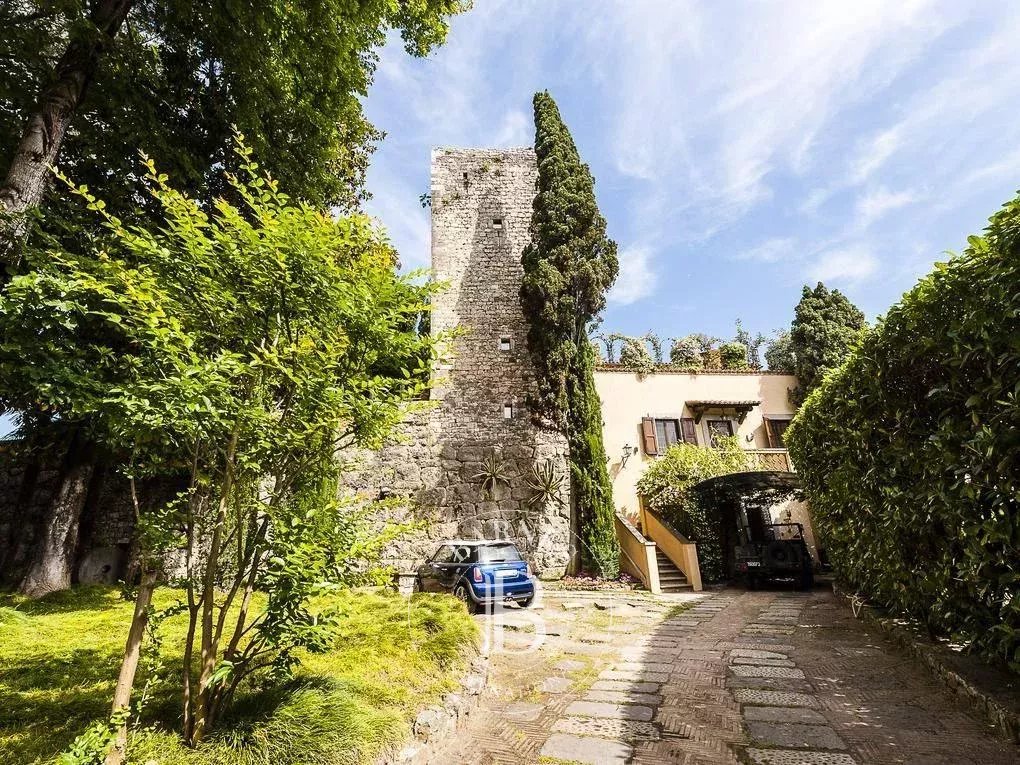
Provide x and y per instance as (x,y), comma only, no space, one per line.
(749,437)
(628,450)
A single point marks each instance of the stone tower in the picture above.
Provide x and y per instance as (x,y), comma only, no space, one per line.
(481,213)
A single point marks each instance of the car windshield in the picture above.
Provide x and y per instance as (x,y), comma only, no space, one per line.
(498,554)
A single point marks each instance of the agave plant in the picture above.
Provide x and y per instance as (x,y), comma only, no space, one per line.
(545,482)
(493,473)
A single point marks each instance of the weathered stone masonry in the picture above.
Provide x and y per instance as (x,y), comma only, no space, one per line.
(481,212)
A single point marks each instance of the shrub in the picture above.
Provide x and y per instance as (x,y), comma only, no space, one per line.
(634,353)
(666,487)
(685,353)
(733,355)
(910,452)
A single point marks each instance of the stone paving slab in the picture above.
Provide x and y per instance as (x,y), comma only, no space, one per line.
(591,751)
(784,714)
(643,677)
(623,697)
(605,727)
(625,685)
(767,629)
(756,644)
(744,670)
(762,662)
(770,684)
(794,735)
(753,654)
(637,712)
(775,698)
(788,757)
(556,685)
(643,666)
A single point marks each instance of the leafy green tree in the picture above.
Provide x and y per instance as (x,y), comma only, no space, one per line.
(753,344)
(733,355)
(242,347)
(173,77)
(779,353)
(826,326)
(568,268)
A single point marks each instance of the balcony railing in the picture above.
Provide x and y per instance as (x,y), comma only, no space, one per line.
(771,459)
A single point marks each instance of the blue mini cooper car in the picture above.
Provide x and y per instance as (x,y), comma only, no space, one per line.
(479,572)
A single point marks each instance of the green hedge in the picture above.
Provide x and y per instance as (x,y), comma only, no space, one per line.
(910,452)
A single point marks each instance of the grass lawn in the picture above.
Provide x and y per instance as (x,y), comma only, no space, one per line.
(59,658)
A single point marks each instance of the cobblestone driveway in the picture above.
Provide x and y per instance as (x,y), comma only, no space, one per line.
(769,678)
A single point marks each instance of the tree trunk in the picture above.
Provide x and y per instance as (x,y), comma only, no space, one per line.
(27,175)
(129,665)
(203,708)
(89,519)
(53,557)
(14,542)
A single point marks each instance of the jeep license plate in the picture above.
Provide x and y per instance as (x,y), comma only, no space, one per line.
(752,563)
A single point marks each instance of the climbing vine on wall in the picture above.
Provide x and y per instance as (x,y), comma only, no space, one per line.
(666,487)
(568,267)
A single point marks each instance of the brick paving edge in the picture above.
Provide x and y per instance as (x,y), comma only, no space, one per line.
(1005,719)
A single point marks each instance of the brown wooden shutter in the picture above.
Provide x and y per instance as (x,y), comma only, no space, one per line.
(648,436)
(770,436)
(690,433)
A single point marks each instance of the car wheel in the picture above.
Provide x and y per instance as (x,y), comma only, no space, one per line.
(526,602)
(461,593)
(752,582)
(807,580)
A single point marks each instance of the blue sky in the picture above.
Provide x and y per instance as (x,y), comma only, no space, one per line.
(741,149)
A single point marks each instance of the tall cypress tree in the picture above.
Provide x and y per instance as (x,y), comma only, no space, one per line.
(568,267)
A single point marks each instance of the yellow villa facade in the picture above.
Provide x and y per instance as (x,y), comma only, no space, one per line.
(644,413)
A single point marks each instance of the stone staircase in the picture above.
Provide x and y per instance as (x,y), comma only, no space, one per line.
(671,579)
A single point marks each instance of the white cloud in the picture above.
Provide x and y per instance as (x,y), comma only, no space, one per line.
(636,279)
(811,135)
(874,153)
(877,202)
(516,129)
(771,251)
(848,265)
(709,121)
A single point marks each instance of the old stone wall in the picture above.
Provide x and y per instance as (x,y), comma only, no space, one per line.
(27,485)
(481,213)
(477,418)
